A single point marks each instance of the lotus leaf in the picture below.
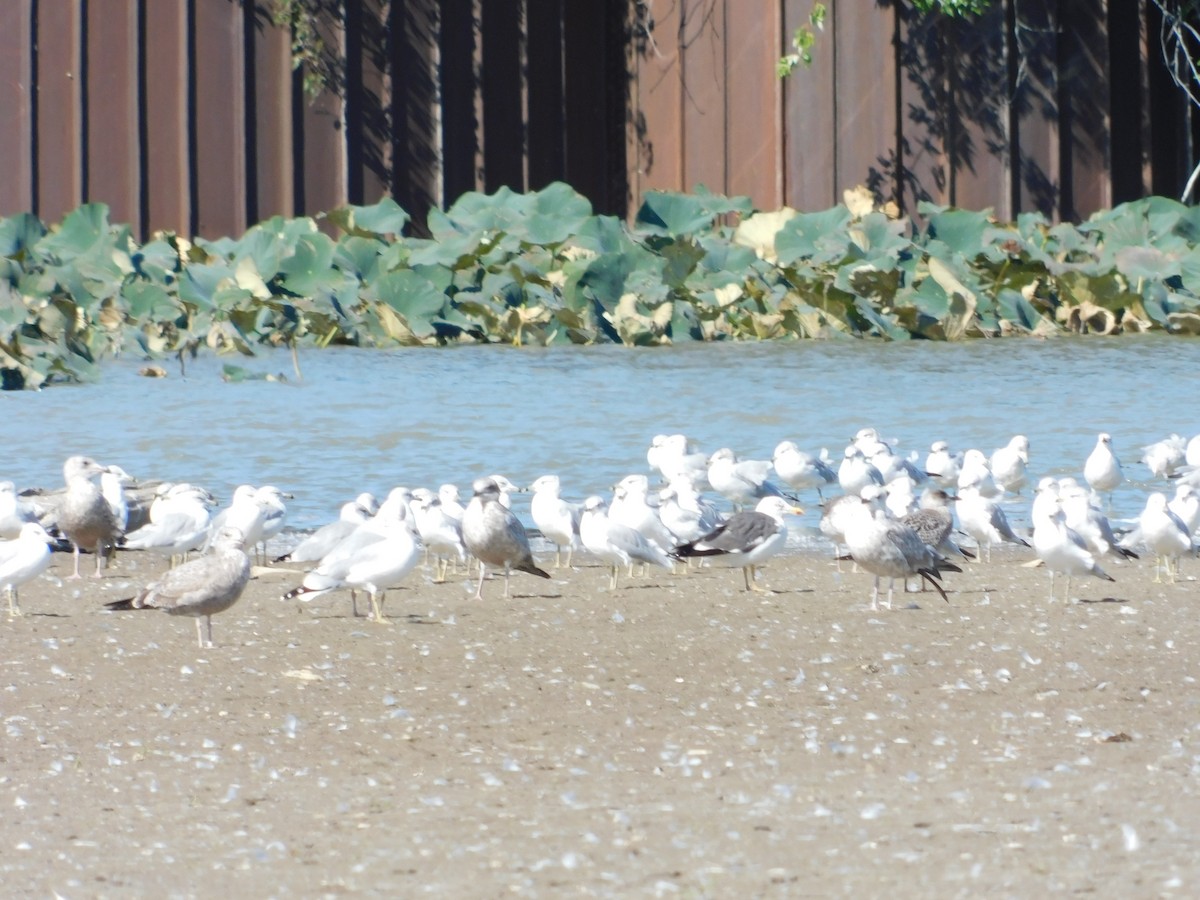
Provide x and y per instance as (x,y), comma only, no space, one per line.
(818,237)
(378,220)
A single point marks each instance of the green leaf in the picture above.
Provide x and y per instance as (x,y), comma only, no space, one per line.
(385,218)
(310,268)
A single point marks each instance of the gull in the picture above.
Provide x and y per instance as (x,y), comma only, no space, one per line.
(494,536)
(1163,457)
(1088,521)
(112,486)
(1191,454)
(1008,464)
(982,518)
(15,511)
(933,522)
(976,475)
(687,515)
(274,514)
(674,458)
(1059,547)
(84,516)
(943,466)
(22,560)
(1164,533)
(451,505)
(800,470)
(1102,470)
(377,556)
(351,515)
(614,543)
(556,519)
(856,472)
(440,533)
(179,520)
(740,481)
(243,513)
(746,539)
(507,488)
(886,547)
(1186,505)
(900,496)
(200,588)
(631,506)
(835,517)
(870,443)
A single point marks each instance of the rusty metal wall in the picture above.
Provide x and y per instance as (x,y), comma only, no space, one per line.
(188,115)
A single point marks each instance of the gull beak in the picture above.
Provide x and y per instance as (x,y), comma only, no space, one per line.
(796,510)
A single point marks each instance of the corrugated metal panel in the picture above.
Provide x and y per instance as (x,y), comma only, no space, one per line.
(272,171)
(809,119)
(324,172)
(1083,109)
(865,78)
(218,130)
(167,154)
(547,116)
(16,85)
(1036,104)
(111,144)
(980,150)
(59,163)
(704,41)
(658,82)
(754,96)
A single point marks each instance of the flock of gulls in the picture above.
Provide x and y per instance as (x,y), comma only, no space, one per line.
(896,516)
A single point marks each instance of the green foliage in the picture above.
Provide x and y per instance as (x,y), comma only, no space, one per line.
(803,39)
(542,268)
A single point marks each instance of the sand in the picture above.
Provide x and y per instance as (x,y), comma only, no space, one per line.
(675,737)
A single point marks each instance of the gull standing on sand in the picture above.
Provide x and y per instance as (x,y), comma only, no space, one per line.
(22,560)
(440,533)
(322,541)
(1088,521)
(1102,470)
(200,588)
(746,539)
(801,471)
(179,521)
(631,506)
(614,543)
(975,474)
(886,547)
(982,518)
(1165,534)
(933,522)
(377,556)
(555,518)
(495,536)
(84,515)
(1008,464)
(1059,547)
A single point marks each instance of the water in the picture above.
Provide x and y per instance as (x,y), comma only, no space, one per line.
(370,420)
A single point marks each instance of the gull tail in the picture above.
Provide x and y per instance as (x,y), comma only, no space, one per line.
(530,569)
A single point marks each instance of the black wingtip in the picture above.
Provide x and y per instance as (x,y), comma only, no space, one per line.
(117,605)
(931,578)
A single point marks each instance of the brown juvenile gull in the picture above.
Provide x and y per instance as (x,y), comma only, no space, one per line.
(200,588)
(494,536)
(746,538)
(85,516)
(886,547)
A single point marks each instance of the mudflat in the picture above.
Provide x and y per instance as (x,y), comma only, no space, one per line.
(675,737)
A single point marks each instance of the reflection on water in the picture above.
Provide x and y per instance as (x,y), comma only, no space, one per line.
(370,420)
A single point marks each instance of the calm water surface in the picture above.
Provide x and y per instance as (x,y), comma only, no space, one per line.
(370,420)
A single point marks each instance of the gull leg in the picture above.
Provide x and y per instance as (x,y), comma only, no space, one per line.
(354,602)
(875,595)
(612,578)
(482,575)
(891,590)
(14,607)
(75,574)
(506,573)
(377,607)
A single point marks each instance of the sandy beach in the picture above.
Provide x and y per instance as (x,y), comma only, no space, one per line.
(674,737)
